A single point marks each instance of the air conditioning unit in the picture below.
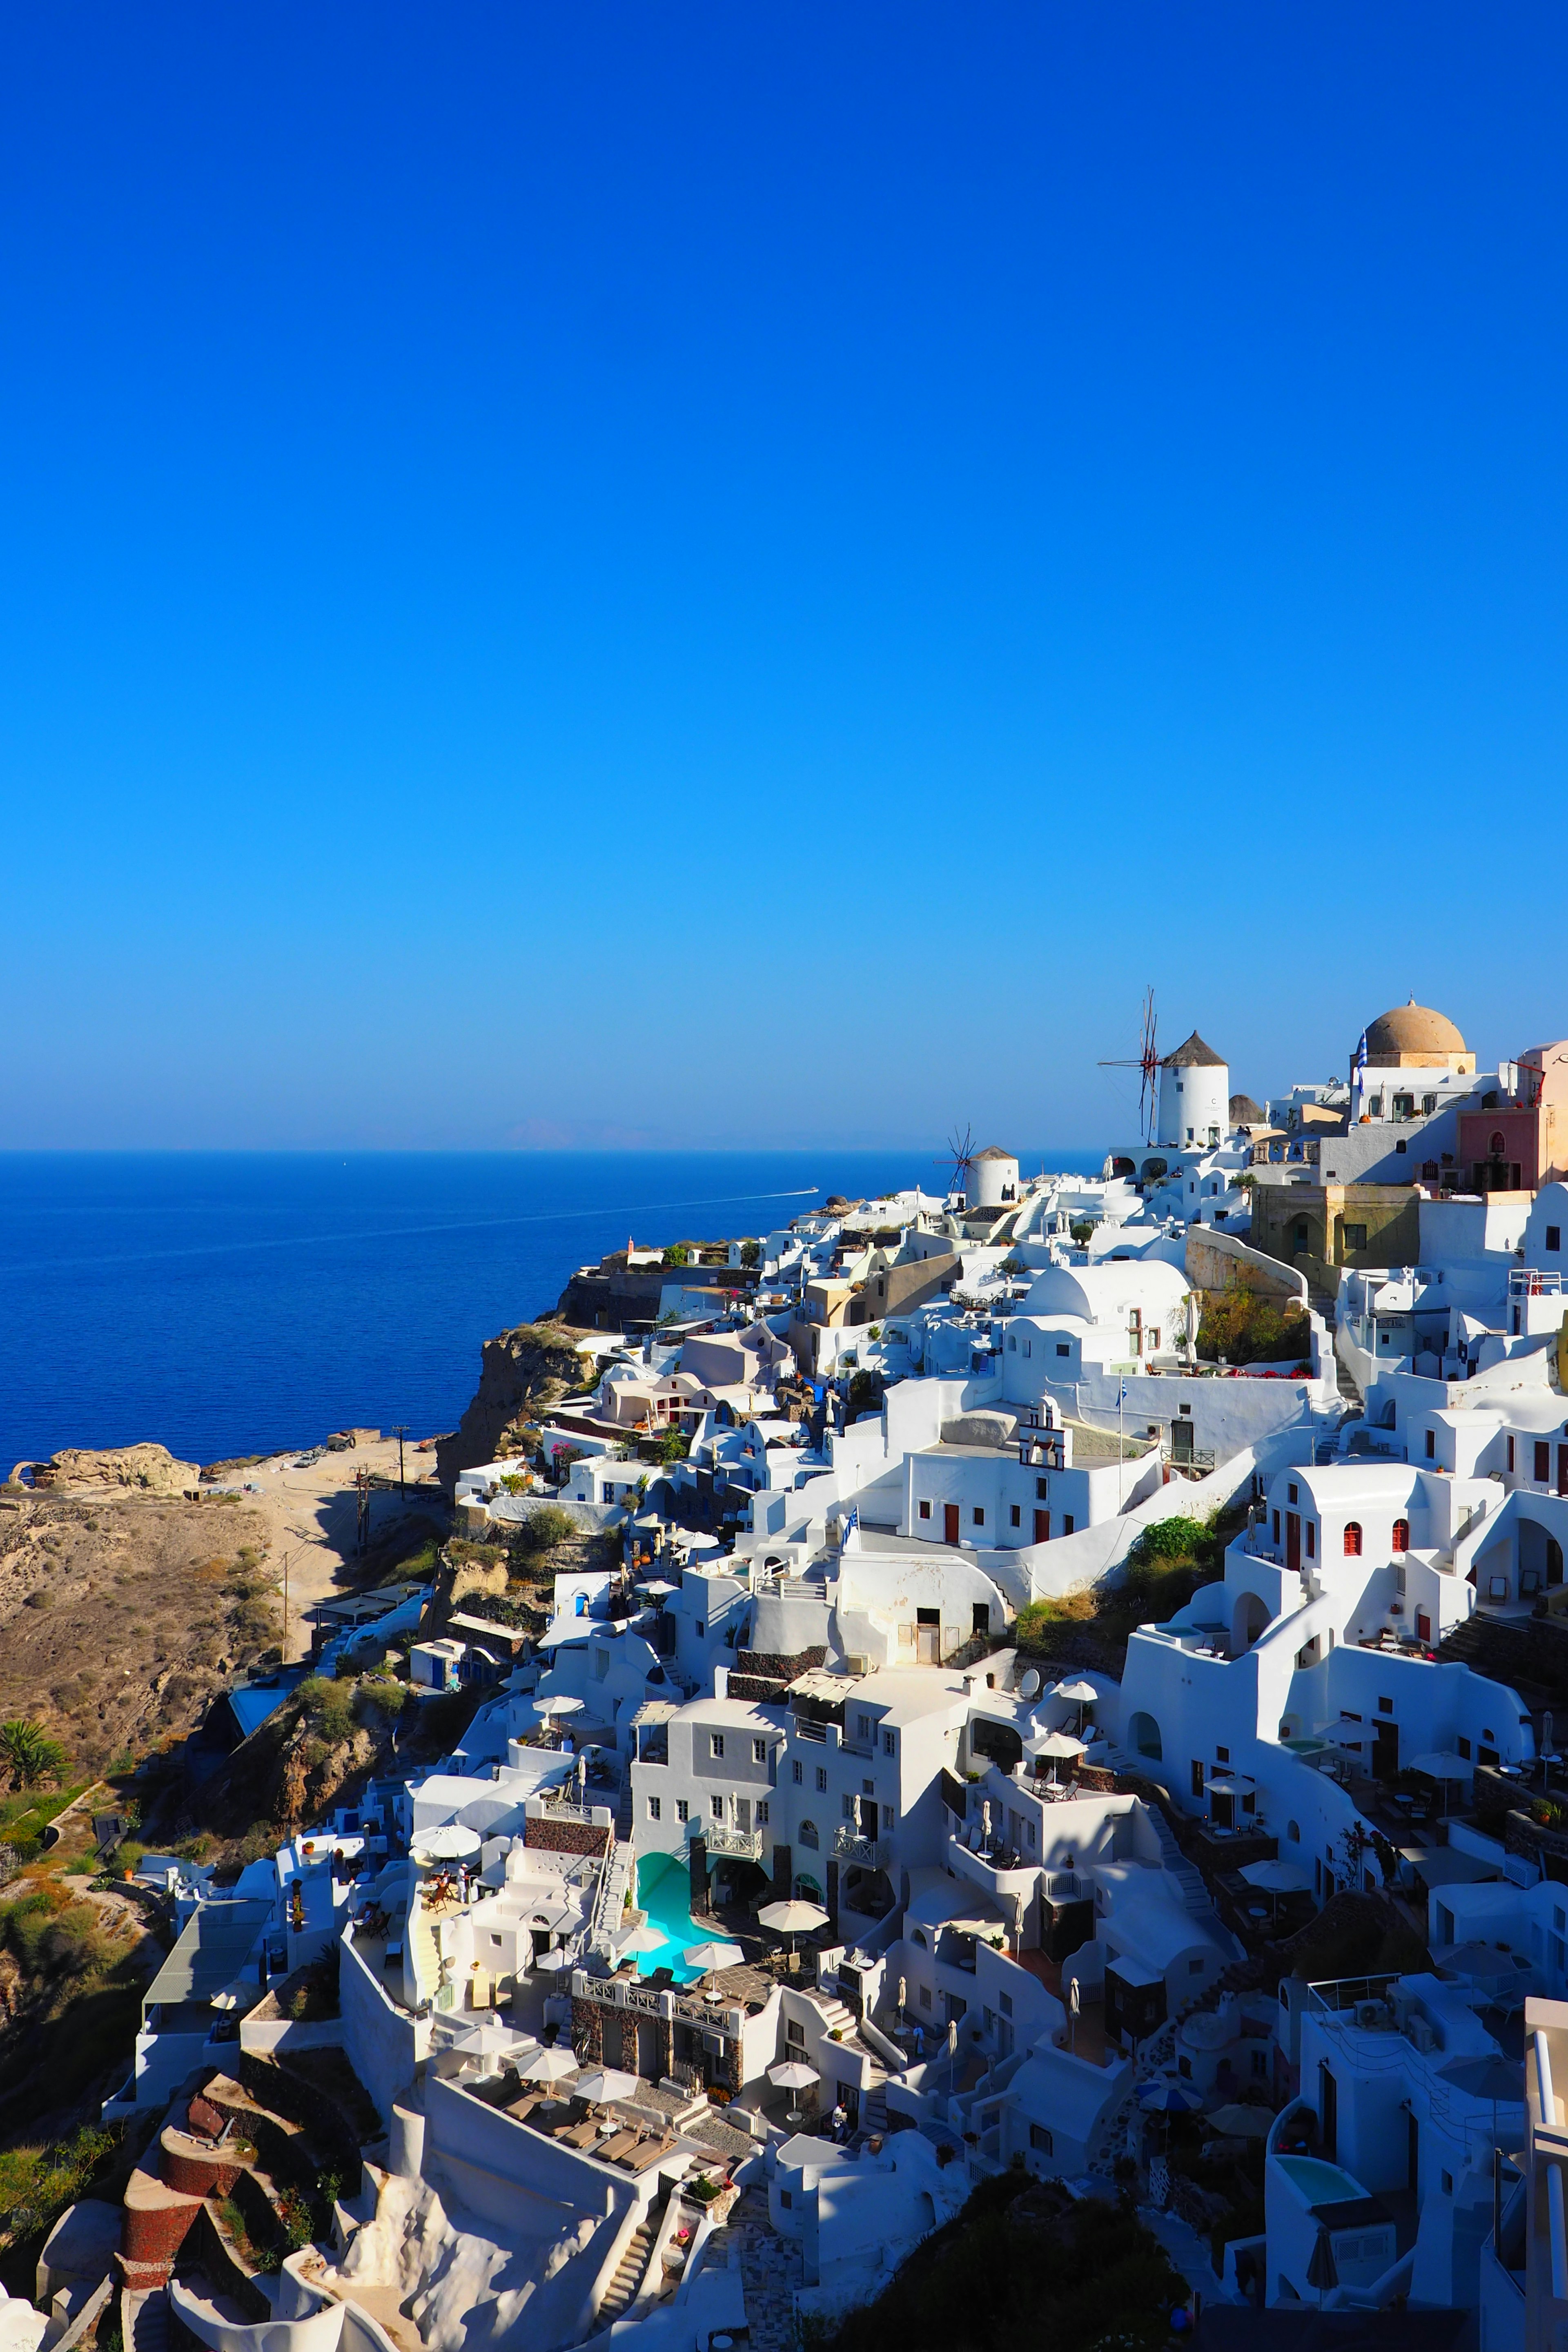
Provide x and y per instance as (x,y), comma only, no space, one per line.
(1422,2035)
(858,1662)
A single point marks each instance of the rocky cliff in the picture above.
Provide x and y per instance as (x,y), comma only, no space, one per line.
(137,1469)
(522,1373)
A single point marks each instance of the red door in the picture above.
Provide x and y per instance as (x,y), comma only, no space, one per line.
(1042,1527)
(1293,1540)
(949,1523)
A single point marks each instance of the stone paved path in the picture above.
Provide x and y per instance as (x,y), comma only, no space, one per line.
(770,2269)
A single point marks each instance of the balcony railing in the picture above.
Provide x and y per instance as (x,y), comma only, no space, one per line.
(746,1845)
(1527,1282)
(851,1846)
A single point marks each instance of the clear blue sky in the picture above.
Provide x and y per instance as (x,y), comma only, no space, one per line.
(747,574)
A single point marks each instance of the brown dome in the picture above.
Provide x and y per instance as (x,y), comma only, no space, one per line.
(1413,1030)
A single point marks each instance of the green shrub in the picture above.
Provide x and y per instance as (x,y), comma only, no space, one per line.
(676,1255)
(1245,1329)
(382,1695)
(544,1529)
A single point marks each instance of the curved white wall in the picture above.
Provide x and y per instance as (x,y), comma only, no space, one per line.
(1192,1098)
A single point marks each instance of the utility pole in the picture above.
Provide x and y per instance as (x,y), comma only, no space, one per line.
(287,1562)
(400,1432)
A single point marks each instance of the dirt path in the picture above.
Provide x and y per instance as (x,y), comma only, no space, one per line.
(312,1516)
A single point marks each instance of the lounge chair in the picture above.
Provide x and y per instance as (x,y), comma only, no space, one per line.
(640,2158)
(611,2150)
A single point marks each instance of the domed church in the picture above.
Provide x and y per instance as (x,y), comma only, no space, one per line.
(1414,1037)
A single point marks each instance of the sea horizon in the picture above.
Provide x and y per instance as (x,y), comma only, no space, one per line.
(229,1301)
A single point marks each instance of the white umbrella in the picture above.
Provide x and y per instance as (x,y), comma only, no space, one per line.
(553,1962)
(561,1704)
(1242,2123)
(1277,1877)
(645,1938)
(1441,1764)
(714,1956)
(1054,1743)
(450,1842)
(483,2037)
(1079,1693)
(549,2067)
(794,2075)
(237,1995)
(608,2083)
(657,1586)
(793,1918)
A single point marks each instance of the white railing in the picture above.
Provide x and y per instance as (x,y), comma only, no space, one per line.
(851,1846)
(745,1844)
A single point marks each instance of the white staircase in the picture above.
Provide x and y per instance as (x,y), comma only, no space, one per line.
(1189,1880)
(626,2284)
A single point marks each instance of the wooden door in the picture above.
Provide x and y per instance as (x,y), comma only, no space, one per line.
(1293,1541)
(1042,1527)
(949,1523)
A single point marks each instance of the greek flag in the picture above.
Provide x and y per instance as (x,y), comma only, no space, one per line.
(847,1527)
(1360,1053)
(1121,1397)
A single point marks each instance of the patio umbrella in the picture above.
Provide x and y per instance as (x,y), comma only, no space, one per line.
(486,2037)
(450,1842)
(714,1955)
(553,1962)
(791,1918)
(1277,1877)
(1165,2096)
(608,2083)
(659,1590)
(645,1938)
(1321,2269)
(1242,2123)
(1488,2078)
(1054,1743)
(1481,1964)
(1443,1766)
(1080,1693)
(549,2067)
(562,1703)
(794,2075)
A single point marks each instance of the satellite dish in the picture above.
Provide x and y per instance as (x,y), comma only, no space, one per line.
(1030,1686)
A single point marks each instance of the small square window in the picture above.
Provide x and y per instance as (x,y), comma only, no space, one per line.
(849,1803)
(889,1745)
(653,1809)
(1385,1706)
(682,1810)
(1553,1237)
(1042,1489)
(1195,1967)
(1040,2138)
(978,1516)
(762,1812)
(925,1510)
(863,1729)
(821,1777)
(796,1772)
(1015,1516)
(716,1807)
(759,1751)
(1006,2000)
(716,1743)
(1064,1347)
(1067,1523)
(925,1996)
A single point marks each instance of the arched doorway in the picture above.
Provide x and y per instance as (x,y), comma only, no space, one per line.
(1248,1620)
(1144,1734)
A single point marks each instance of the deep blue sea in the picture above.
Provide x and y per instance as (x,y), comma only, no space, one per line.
(229,1303)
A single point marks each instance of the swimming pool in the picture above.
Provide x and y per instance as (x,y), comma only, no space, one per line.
(1318,2183)
(664,1891)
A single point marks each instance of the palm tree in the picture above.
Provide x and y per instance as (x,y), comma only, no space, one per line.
(30,1753)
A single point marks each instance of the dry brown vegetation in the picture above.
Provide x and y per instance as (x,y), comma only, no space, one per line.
(121,1618)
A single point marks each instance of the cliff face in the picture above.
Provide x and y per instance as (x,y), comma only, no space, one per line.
(522,1373)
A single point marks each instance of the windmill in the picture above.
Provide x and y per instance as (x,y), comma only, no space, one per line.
(961,1153)
(1147,1063)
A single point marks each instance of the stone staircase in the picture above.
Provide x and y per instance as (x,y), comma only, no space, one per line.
(1189,1880)
(1323,1303)
(424,1951)
(624,1809)
(151,2325)
(626,2284)
(874,2114)
(836,2016)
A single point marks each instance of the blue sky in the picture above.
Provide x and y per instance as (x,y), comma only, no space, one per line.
(749,575)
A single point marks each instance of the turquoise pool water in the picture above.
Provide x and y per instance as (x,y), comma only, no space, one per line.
(1319,2183)
(664,1892)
